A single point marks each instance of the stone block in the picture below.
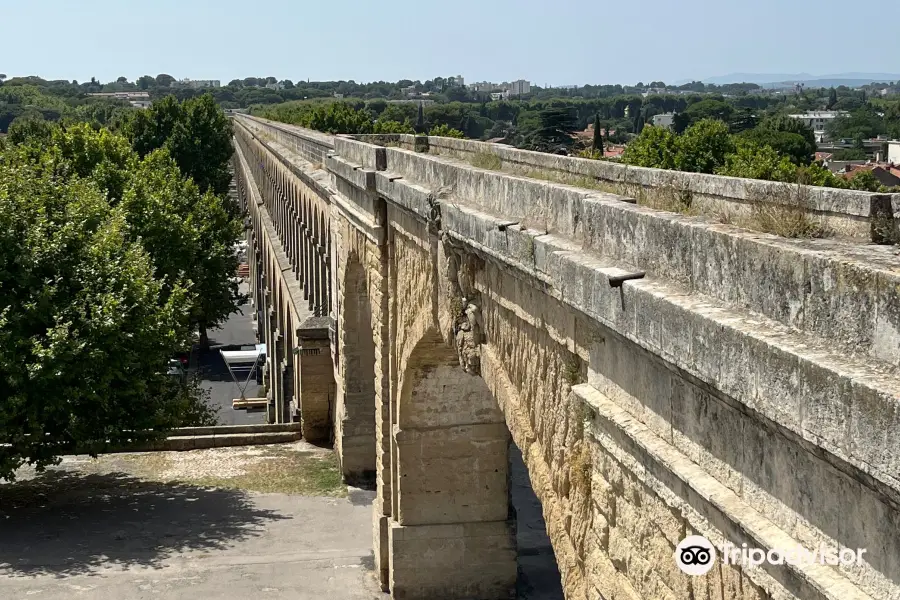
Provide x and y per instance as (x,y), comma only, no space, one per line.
(452,561)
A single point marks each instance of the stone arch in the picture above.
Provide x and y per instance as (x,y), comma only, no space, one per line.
(355,410)
(450,488)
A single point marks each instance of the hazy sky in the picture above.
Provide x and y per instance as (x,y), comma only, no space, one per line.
(546,41)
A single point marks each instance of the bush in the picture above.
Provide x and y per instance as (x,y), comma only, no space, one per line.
(752,161)
(443,130)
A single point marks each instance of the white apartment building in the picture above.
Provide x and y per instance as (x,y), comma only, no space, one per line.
(519,87)
(664,120)
(817,119)
(893,153)
(483,86)
(200,83)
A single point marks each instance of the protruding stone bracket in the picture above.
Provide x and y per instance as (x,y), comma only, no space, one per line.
(616,281)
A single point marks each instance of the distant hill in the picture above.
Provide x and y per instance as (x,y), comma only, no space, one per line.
(789,79)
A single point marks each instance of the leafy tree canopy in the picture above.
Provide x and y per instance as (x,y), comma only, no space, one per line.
(85,327)
(196,133)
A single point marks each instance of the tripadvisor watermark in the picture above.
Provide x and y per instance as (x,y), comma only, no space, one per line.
(696,555)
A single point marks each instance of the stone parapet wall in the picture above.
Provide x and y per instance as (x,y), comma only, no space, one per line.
(845,213)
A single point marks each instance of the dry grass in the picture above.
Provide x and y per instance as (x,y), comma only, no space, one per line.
(783,213)
(487,160)
(294,468)
(291,473)
(581,181)
(573,370)
(886,230)
(581,466)
(786,221)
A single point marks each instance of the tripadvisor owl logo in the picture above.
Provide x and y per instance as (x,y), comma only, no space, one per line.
(695,555)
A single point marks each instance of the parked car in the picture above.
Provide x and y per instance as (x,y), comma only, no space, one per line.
(177,370)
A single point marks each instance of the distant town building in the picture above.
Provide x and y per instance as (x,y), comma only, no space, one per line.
(457,81)
(423,101)
(658,91)
(817,119)
(886,174)
(893,152)
(123,95)
(519,87)
(136,99)
(275,86)
(664,120)
(481,86)
(199,83)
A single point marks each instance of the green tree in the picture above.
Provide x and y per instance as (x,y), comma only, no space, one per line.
(792,145)
(443,130)
(382,126)
(752,161)
(29,127)
(188,234)
(639,122)
(196,133)
(800,149)
(84,333)
(832,99)
(850,154)
(164,80)
(655,147)
(338,117)
(709,108)
(703,146)
(597,145)
(865,181)
(145,82)
(420,119)
(553,131)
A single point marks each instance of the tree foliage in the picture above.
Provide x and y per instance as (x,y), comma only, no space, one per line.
(754,161)
(29,127)
(196,133)
(443,130)
(550,130)
(597,145)
(85,327)
(703,146)
(655,147)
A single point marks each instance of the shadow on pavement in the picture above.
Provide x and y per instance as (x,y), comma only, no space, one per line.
(68,524)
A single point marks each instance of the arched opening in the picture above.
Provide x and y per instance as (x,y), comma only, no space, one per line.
(355,409)
(451,535)
(538,573)
(465,522)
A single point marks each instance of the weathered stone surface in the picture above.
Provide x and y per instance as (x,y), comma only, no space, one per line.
(737,385)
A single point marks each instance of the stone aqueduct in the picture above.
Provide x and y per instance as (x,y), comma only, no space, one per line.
(663,375)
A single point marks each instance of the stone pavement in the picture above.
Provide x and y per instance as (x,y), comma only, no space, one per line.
(150,525)
(114,536)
